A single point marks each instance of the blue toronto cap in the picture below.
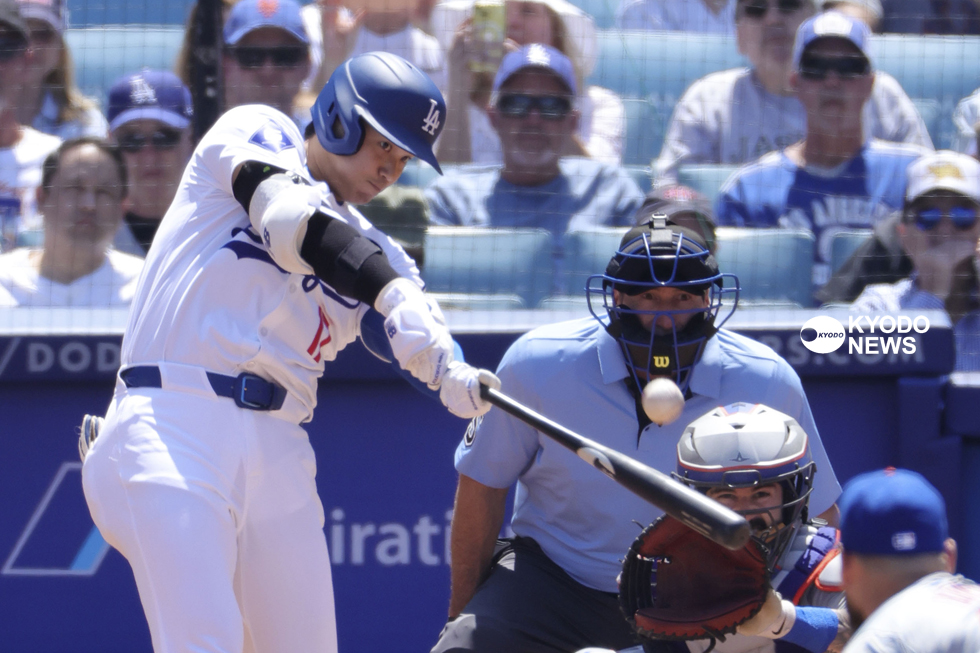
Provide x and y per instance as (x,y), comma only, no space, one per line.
(831,24)
(149,95)
(536,56)
(249,15)
(892,512)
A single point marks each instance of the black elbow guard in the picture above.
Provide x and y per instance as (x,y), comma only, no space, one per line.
(250,175)
(353,265)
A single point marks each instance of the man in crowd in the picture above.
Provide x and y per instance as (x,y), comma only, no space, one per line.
(939,232)
(835,178)
(553,587)
(532,111)
(267,54)
(150,120)
(737,115)
(81,197)
(898,568)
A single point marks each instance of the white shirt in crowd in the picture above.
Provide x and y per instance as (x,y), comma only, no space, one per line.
(20,175)
(112,284)
(676,16)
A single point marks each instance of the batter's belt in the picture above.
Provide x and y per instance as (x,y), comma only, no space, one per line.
(247,390)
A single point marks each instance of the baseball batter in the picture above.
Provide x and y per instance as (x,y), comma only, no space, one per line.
(260,273)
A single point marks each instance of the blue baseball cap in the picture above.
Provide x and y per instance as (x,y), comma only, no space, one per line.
(536,56)
(892,512)
(150,94)
(249,15)
(835,25)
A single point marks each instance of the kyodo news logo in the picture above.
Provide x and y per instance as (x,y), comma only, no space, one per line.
(865,334)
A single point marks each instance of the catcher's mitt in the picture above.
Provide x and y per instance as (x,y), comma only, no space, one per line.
(678,584)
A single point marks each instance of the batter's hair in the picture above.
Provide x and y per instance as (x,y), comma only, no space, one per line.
(52,164)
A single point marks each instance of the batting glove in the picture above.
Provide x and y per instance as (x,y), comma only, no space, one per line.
(460,391)
(417,331)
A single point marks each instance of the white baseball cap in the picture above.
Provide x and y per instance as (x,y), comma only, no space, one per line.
(944,170)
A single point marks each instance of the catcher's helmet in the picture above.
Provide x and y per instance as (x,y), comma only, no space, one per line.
(749,445)
(387,92)
(654,255)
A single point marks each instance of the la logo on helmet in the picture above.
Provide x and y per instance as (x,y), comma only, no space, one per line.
(431,122)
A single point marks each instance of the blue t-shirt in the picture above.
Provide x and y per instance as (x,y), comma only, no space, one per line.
(585,195)
(574,372)
(775,192)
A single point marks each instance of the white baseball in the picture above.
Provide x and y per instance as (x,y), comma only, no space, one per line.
(663,401)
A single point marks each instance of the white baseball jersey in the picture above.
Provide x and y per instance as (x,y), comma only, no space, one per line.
(937,614)
(728,117)
(212,295)
(20,175)
(112,284)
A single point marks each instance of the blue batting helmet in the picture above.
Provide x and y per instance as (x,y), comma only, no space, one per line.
(746,445)
(388,93)
(655,255)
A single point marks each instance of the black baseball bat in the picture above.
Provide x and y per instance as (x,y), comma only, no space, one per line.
(704,515)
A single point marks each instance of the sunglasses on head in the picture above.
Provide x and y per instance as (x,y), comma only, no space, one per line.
(161,139)
(282,57)
(815,67)
(550,107)
(756,9)
(963,217)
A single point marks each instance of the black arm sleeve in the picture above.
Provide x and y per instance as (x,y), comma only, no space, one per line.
(250,175)
(353,265)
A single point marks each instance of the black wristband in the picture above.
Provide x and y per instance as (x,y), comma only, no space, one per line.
(351,264)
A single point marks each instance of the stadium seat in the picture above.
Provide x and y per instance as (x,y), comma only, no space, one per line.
(603,12)
(103,55)
(942,68)
(645,126)
(479,260)
(477,301)
(771,264)
(706,179)
(85,13)
(844,244)
(586,253)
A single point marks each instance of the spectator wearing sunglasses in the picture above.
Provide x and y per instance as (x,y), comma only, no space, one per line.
(939,232)
(149,119)
(700,16)
(81,197)
(834,178)
(267,54)
(50,101)
(533,113)
(22,149)
(735,116)
(469,137)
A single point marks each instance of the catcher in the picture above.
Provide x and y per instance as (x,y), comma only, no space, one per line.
(678,585)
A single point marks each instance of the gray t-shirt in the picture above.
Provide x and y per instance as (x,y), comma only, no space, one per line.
(728,117)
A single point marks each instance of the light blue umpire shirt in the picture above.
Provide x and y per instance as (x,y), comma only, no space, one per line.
(573,372)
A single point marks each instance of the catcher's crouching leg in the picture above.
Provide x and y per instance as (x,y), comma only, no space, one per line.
(91,425)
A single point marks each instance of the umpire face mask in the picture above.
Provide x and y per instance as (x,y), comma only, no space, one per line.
(661,298)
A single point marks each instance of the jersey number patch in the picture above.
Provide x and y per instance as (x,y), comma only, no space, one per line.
(321,338)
